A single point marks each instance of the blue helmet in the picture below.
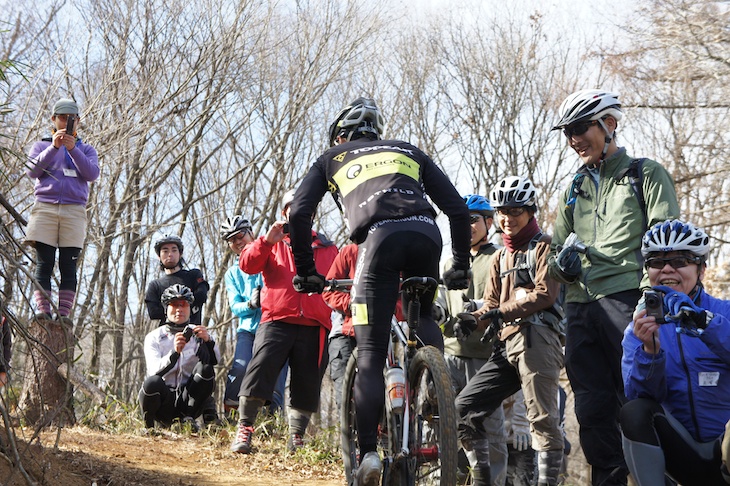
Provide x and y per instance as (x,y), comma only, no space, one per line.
(479,204)
(675,235)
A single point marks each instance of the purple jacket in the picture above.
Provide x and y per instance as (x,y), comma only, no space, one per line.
(62,177)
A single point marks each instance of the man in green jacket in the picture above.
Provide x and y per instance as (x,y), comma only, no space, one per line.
(465,357)
(612,200)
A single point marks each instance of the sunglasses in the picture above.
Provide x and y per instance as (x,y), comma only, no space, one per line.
(674,262)
(475,218)
(514,212)
(578,128)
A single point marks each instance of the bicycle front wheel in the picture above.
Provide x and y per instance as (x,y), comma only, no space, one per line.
(432,442)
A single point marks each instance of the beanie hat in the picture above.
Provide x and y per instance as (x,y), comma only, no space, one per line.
(65,106)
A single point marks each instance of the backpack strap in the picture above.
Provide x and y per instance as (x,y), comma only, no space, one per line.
(636,176)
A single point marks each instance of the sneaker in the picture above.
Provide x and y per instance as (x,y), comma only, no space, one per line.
(190,422)
(295,442)
(242,444)
(368,474)
(42,316)
(66,321)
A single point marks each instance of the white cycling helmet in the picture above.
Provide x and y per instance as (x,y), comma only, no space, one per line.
(287,199)
(513,192)
(588,104)
(361,117)
(233,226)
(675,235)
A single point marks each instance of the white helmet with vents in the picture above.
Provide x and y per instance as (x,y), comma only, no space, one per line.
(587,105)
(513,192)
(675,235)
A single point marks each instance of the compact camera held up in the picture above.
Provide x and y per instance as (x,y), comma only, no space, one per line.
(654,302)
(188,333)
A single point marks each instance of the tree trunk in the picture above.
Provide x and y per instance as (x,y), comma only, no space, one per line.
(46,395)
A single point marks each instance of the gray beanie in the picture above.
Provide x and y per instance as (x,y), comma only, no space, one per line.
(65,106)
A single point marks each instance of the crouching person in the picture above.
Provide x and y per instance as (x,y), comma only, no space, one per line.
(179,359)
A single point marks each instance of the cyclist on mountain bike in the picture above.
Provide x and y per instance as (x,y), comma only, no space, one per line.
(521,296)
(677,375)
(382,187)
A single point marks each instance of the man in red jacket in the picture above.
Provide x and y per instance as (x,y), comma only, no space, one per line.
(293,327)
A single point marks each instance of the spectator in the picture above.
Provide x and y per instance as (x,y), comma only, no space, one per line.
(464,358)
(520,303)
(180,376)
(382,186)
(293,326)
(342,341)
(609,205)
(244,299)
(63,166)
(677,373)
(169,249)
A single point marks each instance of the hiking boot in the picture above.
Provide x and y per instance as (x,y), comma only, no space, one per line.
(295,442)
(242,444)
(368,474)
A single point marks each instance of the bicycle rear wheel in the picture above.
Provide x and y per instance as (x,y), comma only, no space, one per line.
(432,442)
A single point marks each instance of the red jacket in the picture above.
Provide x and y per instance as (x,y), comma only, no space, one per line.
(279,300)
(344,267)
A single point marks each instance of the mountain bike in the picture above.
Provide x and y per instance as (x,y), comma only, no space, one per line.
(417,431)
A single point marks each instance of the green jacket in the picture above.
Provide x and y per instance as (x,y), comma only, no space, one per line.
(472,347)
(607,217)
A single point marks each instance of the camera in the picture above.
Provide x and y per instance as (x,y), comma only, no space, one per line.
(71,124)
(285,228)
(654,305)
(188,333)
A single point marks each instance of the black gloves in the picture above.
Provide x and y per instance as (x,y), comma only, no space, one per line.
(456,278)
(311,283)
(255,301)
(466,325)
(497,318)
(568,263)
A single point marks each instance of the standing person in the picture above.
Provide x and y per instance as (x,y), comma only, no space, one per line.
(63,167)
(169,249)
(521,296)
(244,299)
(293,326)
(382,187)
(611,202)
(465,357)
(180,375)
(342,342)
(677,373)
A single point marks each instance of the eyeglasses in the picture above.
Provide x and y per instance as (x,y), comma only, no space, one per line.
(674,262)
(514,212)
(578,128)
(475,218)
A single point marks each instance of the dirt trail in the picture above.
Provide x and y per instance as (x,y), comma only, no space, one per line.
(91,457)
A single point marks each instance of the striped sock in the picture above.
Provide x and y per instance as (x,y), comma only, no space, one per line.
(65,302)
(41,302)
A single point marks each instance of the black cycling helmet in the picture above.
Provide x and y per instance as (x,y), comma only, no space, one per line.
(177,292)
(168,239)
(234,225)
(361,118)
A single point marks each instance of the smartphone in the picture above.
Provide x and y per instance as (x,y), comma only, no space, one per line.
(285,228)
(71,124)
(654,305)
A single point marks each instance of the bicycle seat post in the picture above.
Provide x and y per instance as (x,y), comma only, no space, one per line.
(413,288)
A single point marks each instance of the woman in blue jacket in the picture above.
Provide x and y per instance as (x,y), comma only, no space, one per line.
(676,366)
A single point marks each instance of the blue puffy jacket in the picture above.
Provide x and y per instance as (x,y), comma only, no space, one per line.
(690,376)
